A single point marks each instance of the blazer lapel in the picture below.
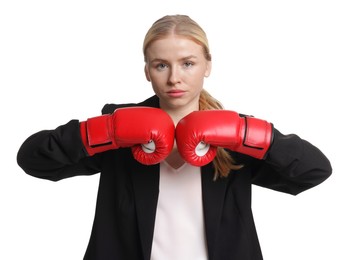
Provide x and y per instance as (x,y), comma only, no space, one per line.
(146,189)
(213,193)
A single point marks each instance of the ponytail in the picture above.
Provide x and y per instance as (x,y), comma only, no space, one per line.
(223,163)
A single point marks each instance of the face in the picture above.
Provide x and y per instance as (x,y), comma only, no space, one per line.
(176,68)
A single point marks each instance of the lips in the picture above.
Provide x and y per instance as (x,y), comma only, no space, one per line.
(176,93)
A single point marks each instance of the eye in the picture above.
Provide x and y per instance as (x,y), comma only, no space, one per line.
(161,66)
(188,64)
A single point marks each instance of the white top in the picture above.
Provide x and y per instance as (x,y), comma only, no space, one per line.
(179,232)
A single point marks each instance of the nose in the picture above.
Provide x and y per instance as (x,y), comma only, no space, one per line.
(174,76)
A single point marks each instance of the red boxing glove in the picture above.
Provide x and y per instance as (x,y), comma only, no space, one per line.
(149,131)
(200,133)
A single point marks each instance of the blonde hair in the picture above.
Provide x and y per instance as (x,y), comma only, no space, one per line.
(183,25)
(223,162)
(180,25)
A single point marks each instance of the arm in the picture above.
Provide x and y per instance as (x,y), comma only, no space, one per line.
(56,154)
(292,165)
(284,163)
(64,152)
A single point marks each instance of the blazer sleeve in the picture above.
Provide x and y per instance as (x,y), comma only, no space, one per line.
(57,154)
(292,165)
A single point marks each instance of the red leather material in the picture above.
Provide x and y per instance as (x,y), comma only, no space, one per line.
(257,138)
(98,131)
(221,128)
(136,126)
(131,127)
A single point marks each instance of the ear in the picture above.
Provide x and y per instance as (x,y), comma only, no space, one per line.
(147,74)
(208,68)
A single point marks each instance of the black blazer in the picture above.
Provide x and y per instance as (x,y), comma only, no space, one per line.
(128,191)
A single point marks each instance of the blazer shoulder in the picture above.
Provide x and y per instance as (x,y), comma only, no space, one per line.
(152,101)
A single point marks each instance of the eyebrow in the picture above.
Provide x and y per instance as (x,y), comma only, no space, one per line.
(182,59)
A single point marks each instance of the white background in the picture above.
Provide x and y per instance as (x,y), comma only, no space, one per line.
(283,61)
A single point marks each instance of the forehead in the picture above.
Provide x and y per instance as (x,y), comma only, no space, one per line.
(174,46)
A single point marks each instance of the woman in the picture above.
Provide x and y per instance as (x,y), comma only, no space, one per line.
(161,199)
